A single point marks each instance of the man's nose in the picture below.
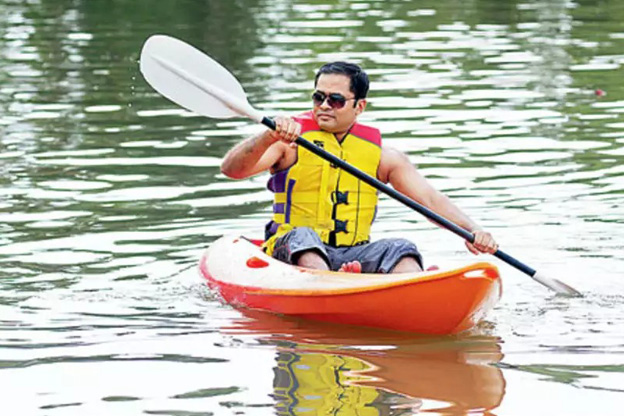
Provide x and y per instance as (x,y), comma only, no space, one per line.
(325,104)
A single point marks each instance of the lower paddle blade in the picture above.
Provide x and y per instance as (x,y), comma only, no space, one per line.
(190,78)
(556,285)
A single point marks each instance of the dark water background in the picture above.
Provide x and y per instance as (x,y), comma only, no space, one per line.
(109,194)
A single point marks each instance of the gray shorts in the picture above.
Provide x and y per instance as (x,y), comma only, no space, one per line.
(376,257)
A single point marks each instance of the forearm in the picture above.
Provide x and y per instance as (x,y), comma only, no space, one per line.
(443,206)
(241,161)
(404,177)
(483,241)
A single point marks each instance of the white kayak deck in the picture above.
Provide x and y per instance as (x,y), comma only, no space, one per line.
(226,261)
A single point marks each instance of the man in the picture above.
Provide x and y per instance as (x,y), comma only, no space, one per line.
(321,214)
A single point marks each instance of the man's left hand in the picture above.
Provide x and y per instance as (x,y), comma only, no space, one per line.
(483,243)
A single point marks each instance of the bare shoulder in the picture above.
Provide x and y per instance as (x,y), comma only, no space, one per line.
(391,159)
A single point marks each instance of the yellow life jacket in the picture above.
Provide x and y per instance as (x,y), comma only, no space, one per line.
(313,193)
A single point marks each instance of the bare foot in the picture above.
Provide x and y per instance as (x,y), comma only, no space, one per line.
(351,267)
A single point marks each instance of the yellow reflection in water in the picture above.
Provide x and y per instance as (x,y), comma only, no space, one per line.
(340,370)
(321,384)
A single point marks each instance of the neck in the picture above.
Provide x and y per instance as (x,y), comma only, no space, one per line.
(341,135)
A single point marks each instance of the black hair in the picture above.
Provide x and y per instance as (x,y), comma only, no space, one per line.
(359,78)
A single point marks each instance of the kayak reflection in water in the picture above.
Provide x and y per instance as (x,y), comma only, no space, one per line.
(325,369)
(321,215)
(452,381)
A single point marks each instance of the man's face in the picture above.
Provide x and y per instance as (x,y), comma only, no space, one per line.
(336,120)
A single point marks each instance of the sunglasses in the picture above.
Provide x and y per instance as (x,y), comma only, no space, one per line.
(335,100)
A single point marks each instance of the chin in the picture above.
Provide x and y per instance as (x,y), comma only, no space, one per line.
(329,126)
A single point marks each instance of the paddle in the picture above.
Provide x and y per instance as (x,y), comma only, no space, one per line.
(198,83)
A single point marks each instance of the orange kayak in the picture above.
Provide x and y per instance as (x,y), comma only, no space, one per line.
(435,302)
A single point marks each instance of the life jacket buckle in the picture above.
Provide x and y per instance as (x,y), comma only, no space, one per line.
(340,226)
(340,197)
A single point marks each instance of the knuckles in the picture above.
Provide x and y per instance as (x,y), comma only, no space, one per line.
(287,128)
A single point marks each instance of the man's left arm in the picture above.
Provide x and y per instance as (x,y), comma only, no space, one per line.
(396,169)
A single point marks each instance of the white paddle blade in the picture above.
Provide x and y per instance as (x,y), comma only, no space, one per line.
(556,285)
(193,80)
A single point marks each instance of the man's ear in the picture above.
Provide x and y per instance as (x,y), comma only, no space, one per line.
(360,106)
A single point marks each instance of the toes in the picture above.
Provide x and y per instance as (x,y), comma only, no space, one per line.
(351,267)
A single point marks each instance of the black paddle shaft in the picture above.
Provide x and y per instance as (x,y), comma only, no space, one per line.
(379,185)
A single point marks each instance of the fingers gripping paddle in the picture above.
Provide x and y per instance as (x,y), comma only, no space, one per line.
(200,84)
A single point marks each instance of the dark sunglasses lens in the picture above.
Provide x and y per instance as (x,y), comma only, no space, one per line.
(318,98)
(336,101)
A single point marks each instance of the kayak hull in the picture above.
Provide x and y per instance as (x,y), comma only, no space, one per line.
(440,302)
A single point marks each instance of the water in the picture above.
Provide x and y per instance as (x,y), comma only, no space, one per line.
(109,194)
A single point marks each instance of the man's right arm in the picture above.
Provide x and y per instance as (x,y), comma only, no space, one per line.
(261,152)
(252,156)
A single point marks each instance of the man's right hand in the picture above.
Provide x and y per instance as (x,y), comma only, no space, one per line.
(286,129)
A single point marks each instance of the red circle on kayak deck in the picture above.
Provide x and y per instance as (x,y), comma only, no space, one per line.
(256,263)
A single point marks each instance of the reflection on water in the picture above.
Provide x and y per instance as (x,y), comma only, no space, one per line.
(109,194)
(324,369)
